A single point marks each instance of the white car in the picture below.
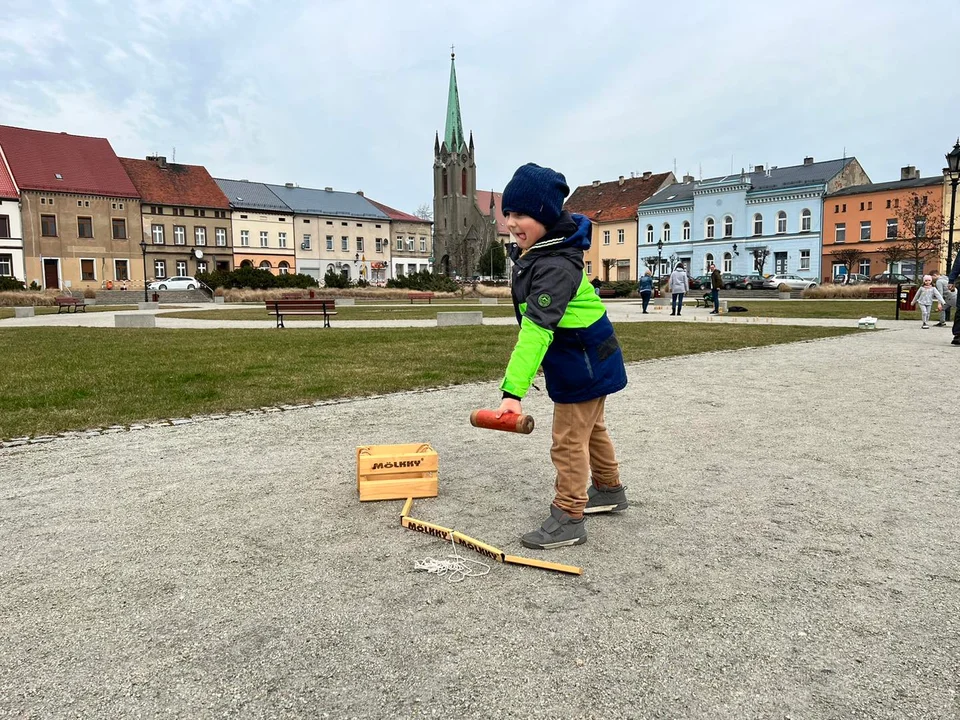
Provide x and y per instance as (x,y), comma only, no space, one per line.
(794,281)
(180,282)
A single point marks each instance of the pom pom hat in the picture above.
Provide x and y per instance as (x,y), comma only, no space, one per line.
(537,192)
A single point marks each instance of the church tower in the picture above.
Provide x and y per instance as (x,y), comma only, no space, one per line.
(458,227)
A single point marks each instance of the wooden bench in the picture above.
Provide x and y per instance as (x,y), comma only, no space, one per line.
(301,307)
(428,296)
(68,303)
(606,292)
(888,291)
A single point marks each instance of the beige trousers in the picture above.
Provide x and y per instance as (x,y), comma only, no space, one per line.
(581,449)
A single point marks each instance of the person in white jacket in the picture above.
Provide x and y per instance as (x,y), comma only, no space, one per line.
(940,282)
(679,286)
(925,296)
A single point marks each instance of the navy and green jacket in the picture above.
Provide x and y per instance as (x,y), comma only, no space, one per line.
(563,324)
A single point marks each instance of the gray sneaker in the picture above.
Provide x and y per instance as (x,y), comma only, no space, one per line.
(558,530)
(604,501)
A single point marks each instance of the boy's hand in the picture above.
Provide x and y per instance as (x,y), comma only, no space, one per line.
(509,405)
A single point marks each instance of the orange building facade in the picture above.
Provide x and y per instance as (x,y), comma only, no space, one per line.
(867,217)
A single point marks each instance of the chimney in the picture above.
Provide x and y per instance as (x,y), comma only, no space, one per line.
(909,173)
(328,189)
(160,160)
(290,185)
(596,183)
(647,174)
(808,160)
(758,168)
(688,178)
(360,193)
(621,179)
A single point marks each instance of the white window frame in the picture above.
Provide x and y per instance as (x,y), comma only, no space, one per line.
(330,243)
(282,239)
(283,267)
(306,242)
(156,231)
(399,244)
(804,260)
(264,238)
(221,236)
(621,236)
(423,244)
(806,220)
(650,234)
(895,224)
(159,269)
(707,262)
(116,275)
(665,232)
(200,236)
(864,267)
(179,235)
(245,238)
(709,228)
(686,229)
(868,226)
(201,266)
(93,262)
(727,262)
(606,237)
(265,265)
(727,228)
(181,268)
(411,244)
(837,230)
(589,268)
(757,225)
(781,223)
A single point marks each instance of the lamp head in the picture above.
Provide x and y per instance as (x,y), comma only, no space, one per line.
(953,159)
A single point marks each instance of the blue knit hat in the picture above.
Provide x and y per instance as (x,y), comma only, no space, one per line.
(537,192)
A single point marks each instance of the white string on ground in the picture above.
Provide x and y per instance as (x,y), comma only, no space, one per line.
(455,568)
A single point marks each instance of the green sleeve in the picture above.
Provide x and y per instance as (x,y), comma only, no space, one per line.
(532,344)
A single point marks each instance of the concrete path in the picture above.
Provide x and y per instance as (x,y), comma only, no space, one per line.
(790,552)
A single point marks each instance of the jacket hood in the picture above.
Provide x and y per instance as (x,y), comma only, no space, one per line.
(571,231)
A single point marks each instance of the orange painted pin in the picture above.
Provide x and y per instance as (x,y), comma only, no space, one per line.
(508,422)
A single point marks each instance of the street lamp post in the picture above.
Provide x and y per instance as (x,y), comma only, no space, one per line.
(953,166)
(143,251)
(659,261)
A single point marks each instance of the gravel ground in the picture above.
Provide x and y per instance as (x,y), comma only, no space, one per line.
(791,552)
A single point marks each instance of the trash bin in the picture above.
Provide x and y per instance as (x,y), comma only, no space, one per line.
(906,293)
(156,297)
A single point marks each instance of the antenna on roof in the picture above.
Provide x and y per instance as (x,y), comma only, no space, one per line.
(674,166)
(174,154)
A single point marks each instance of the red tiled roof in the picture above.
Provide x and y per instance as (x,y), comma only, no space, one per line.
(483,202)
(8,191)
(615,201)
(85,165)
(395,214)
(175,184)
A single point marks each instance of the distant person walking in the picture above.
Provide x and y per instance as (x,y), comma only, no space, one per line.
(716,282)
(645,288)
(925,296)
(679,286)
(952,287)
(940,282)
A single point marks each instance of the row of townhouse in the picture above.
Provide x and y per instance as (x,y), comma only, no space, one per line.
(792,219)
(74,215)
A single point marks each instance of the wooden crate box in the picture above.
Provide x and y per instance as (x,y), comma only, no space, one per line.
(396,472)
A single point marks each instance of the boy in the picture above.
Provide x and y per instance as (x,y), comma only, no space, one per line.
(564,327)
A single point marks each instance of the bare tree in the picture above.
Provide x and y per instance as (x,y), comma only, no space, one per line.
(848,256)
(920,229)
(894,254)
(424,211)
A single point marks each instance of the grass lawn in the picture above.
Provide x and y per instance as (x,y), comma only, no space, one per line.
(7,312)
(56,379)
(853,309)
(351,312)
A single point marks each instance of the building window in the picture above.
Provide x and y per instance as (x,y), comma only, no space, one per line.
(620,236)
(727,226)
(709,229)
(896,202)
(410,243)
(4,226)
(201,266)
(179,235)
(869,204)
(649,233)
(758,224)
(121,270)
(87,270)
(686,230)
(865,267)
(727,262)
(85,227)
(665,232)
(306,242)
(359,244)
(264,238)
(606,237)
(181,267)
(344,243)
(157,232)
(891,228)
(804,259)
(221,234)
(48,225)
(378,244)
(159,269)
(199,236)
(864,229)
(265,265)
(445,184)
(282,239)
(423,244)
(707,262)
(888,204)
(861,207)
(156,209)
(841,233)
(284,267)
(781,222)
(119,229)
(920,228)
(836,208)
(588,268)
(245,238)
(806,220)
(463,182)
(330,242)
(6,265)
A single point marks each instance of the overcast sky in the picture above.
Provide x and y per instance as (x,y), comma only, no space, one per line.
(350,94)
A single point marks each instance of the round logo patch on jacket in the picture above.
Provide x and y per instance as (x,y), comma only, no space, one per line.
(544,300)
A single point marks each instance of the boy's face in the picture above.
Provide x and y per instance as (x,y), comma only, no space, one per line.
(524,228)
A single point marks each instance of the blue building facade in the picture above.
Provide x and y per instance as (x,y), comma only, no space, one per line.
(764,221)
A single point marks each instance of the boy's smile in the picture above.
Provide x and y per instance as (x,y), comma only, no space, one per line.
(524,228)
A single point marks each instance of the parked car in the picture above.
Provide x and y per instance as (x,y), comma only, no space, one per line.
(892,279)
(179,282)
(700,282)
(750,282)
(794,281)
(851,279)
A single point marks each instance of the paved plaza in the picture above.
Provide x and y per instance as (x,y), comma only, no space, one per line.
(791,551)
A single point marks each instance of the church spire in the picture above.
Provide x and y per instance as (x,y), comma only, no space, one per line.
(453,136)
